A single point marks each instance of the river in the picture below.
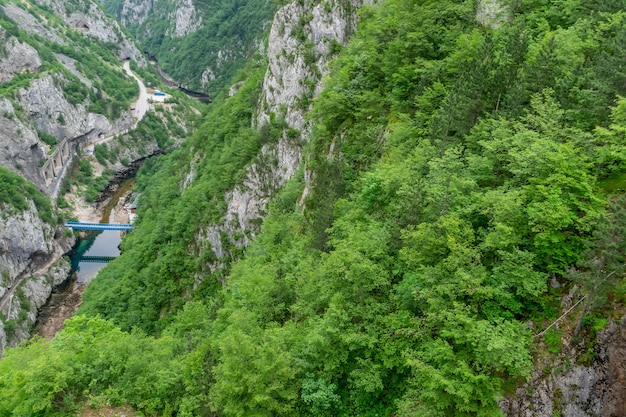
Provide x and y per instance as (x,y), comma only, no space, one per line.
(66,299)
(98,244)
(101,244)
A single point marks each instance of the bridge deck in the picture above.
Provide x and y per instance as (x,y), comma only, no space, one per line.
(98,226)
(97,259)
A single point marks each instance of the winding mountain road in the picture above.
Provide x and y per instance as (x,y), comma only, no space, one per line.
(141,106)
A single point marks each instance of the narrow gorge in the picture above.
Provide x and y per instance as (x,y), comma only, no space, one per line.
(386,208)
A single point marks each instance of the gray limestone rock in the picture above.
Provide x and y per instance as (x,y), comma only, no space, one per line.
(573,388)
(288,78)
(28,269)
(94,23)
(184,20)
(70,64)
(45,102)
(23,237)
(19,58)
(20,149)
(135,12)
(85,16)
(29,23)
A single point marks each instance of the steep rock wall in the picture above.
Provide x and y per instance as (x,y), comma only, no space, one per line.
(88,18)
(18,58)
(49,112)
(52,113)
(134,12)
(299,51)
(95,24)
(184,19)
(21,150)
(29,269)
(29,23)
(569,387)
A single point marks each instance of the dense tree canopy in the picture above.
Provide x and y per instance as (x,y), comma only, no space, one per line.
(456,168)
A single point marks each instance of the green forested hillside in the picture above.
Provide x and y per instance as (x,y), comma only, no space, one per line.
(230,33)
(469,167)
(98,81)
(16,194)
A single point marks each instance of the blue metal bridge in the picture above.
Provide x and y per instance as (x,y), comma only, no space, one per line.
(97,259)
(99,226)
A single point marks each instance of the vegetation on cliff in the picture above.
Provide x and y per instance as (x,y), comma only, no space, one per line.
(97,81)
(455,168)
(214,39)
(16,194)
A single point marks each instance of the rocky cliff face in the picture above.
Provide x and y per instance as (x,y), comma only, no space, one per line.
(29,23)
(184,19)
(27,251)
(18,58)
(299,50)
(133,12)
(21,149)
(51,113)
(48,101)
(582,381)
(86,17)
(297,66)
(41,104)
(54,114)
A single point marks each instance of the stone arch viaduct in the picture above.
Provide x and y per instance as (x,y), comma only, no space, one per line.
(52,168)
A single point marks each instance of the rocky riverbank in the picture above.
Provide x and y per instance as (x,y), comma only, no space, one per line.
(67,297)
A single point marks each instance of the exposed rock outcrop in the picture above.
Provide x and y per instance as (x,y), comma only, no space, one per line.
(290,74)
(88,18)
(295,70)
(569,388)
(52,113)
(21,150)
(23,237)
(29,23)
(18,58)
(133,12)
(184,19)
(70,64)
(27,249)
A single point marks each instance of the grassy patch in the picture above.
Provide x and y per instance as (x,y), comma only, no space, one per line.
(614,184)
